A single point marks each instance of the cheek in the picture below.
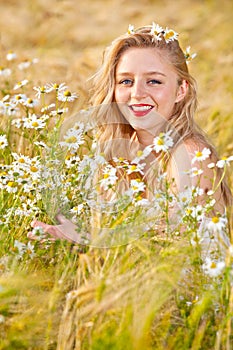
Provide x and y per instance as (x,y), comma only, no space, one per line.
(120,94)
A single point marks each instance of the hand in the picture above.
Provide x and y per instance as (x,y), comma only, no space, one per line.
(65,230)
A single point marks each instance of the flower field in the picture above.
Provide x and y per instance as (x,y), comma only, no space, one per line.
(136,286)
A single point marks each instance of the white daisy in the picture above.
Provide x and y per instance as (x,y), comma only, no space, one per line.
(3,141)
(30,103)
(19,248)
(11,187)
(55,87)
(77,209)
(140,202)
(162,142)
(5,72)
(211,165)
(59,111)
(19,98)
(217,224)
(130,29)
(73,139)
(201,155)
(142,154)
(66,96)
(20,84)
(33,122)
(109,177)
(213,268)
(170,35)
(224,161)
(40,90)
(71,161)
(137,186)
(11,56)
(24,65)
(38,233)
(136,168)
(188,56)
(156,30)
(196,212)
(195,172)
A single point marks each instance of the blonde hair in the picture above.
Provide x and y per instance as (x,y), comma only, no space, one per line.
(116,135)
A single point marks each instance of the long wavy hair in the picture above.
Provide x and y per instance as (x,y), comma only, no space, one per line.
(116,135)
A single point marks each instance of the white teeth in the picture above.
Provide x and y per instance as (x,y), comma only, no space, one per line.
(140,108)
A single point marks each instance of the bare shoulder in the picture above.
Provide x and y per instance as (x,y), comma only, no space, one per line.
(192,147)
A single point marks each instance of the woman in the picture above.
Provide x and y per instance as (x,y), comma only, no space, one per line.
(143,92)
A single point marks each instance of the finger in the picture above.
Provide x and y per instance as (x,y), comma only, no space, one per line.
(36,223)
(33,237)
(61,219)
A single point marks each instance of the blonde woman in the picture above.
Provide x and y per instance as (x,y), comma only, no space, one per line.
(143,91)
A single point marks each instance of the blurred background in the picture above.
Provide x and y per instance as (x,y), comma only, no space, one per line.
(69,36)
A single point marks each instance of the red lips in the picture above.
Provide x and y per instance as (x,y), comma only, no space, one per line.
(140,110)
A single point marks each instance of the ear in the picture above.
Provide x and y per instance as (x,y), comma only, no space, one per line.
(182,90)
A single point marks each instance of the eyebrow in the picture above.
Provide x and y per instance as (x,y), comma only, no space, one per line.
(147,73)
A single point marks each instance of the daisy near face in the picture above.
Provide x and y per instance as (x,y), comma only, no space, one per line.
(146,87)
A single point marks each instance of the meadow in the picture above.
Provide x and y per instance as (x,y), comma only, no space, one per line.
(144,290)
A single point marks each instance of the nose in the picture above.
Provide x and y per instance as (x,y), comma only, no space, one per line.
(138,90)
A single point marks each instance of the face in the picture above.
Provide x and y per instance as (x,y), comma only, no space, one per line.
(146,88)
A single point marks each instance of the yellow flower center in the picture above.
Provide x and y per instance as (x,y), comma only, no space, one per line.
(35,124)
(215,219)
(67,93)
(12,184)
(106,176)
(189,211)
(213,265)
(21,160)
(169,34)
(160,142)
(133,167)
(139,153)
(198,154)
(71,139)
(34,169)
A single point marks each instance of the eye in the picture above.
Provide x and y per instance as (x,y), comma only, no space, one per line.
(154,82)
(126,82)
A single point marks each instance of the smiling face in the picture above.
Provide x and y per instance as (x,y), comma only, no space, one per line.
(146,89)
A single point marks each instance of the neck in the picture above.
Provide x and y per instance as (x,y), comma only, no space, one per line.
(146,137)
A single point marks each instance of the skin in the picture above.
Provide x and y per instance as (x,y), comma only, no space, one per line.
(146,90)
